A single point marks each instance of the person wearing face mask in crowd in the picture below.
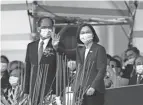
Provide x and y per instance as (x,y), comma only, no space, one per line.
(17,65)
(4,77)
(91,60)
(42,53)
(116,73)
(137,74)
(107,80)
(131,54)
(15,92)
(118,58)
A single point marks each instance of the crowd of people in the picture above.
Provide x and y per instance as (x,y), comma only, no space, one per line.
(125,70)
(121,71)
(12,78)
(94,69)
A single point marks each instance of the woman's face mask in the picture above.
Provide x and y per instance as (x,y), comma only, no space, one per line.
(139,69)
(3,66)
(86,37)
(13,80)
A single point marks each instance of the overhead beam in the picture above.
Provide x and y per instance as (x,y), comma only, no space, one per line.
(66,10)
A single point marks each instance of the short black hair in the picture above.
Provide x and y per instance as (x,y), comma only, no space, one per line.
(39,21)
(109,56)
(95,37)
(118,63)
(134,49)
(5,58)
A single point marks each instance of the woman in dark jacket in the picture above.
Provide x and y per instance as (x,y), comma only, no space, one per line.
(91,61)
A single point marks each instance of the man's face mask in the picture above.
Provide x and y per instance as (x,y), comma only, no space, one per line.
(132,59)
(13,80)
(3,66)
(139,69)
(45,32)
(86,37)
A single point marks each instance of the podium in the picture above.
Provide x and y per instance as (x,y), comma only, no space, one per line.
(129,95)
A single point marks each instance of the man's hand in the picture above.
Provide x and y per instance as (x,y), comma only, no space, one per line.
(130,61)
(90,91)
(55,38)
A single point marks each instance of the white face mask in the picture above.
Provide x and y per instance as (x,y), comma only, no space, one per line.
(139,69)
(3,66)
(86,38)
(45,33)
(131,60)
(13,80)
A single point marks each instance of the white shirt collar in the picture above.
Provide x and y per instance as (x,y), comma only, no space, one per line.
(89,46)
(45,43)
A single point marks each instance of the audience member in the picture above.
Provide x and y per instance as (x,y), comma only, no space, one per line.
(4,77)
(131,55)
(15,92)
(116,78)
(108,59)
(137,74)
(118,58)
(113,77)
(4,73)
(107,79)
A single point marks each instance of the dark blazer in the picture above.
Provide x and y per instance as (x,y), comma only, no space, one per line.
(32,67)
(5,80)
(93,68)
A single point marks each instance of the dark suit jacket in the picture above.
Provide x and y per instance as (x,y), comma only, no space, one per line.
(94,67)
(32,67)
(133,79)
(5,80)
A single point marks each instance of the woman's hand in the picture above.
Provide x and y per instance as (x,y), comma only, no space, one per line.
(71,65)
(90,91)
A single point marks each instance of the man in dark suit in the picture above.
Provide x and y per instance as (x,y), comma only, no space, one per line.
(137,74)
(130,55)
(41,62)
(91,61)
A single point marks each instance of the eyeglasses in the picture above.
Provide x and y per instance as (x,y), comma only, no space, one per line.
(139,63)
(46,27)
(113,66)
